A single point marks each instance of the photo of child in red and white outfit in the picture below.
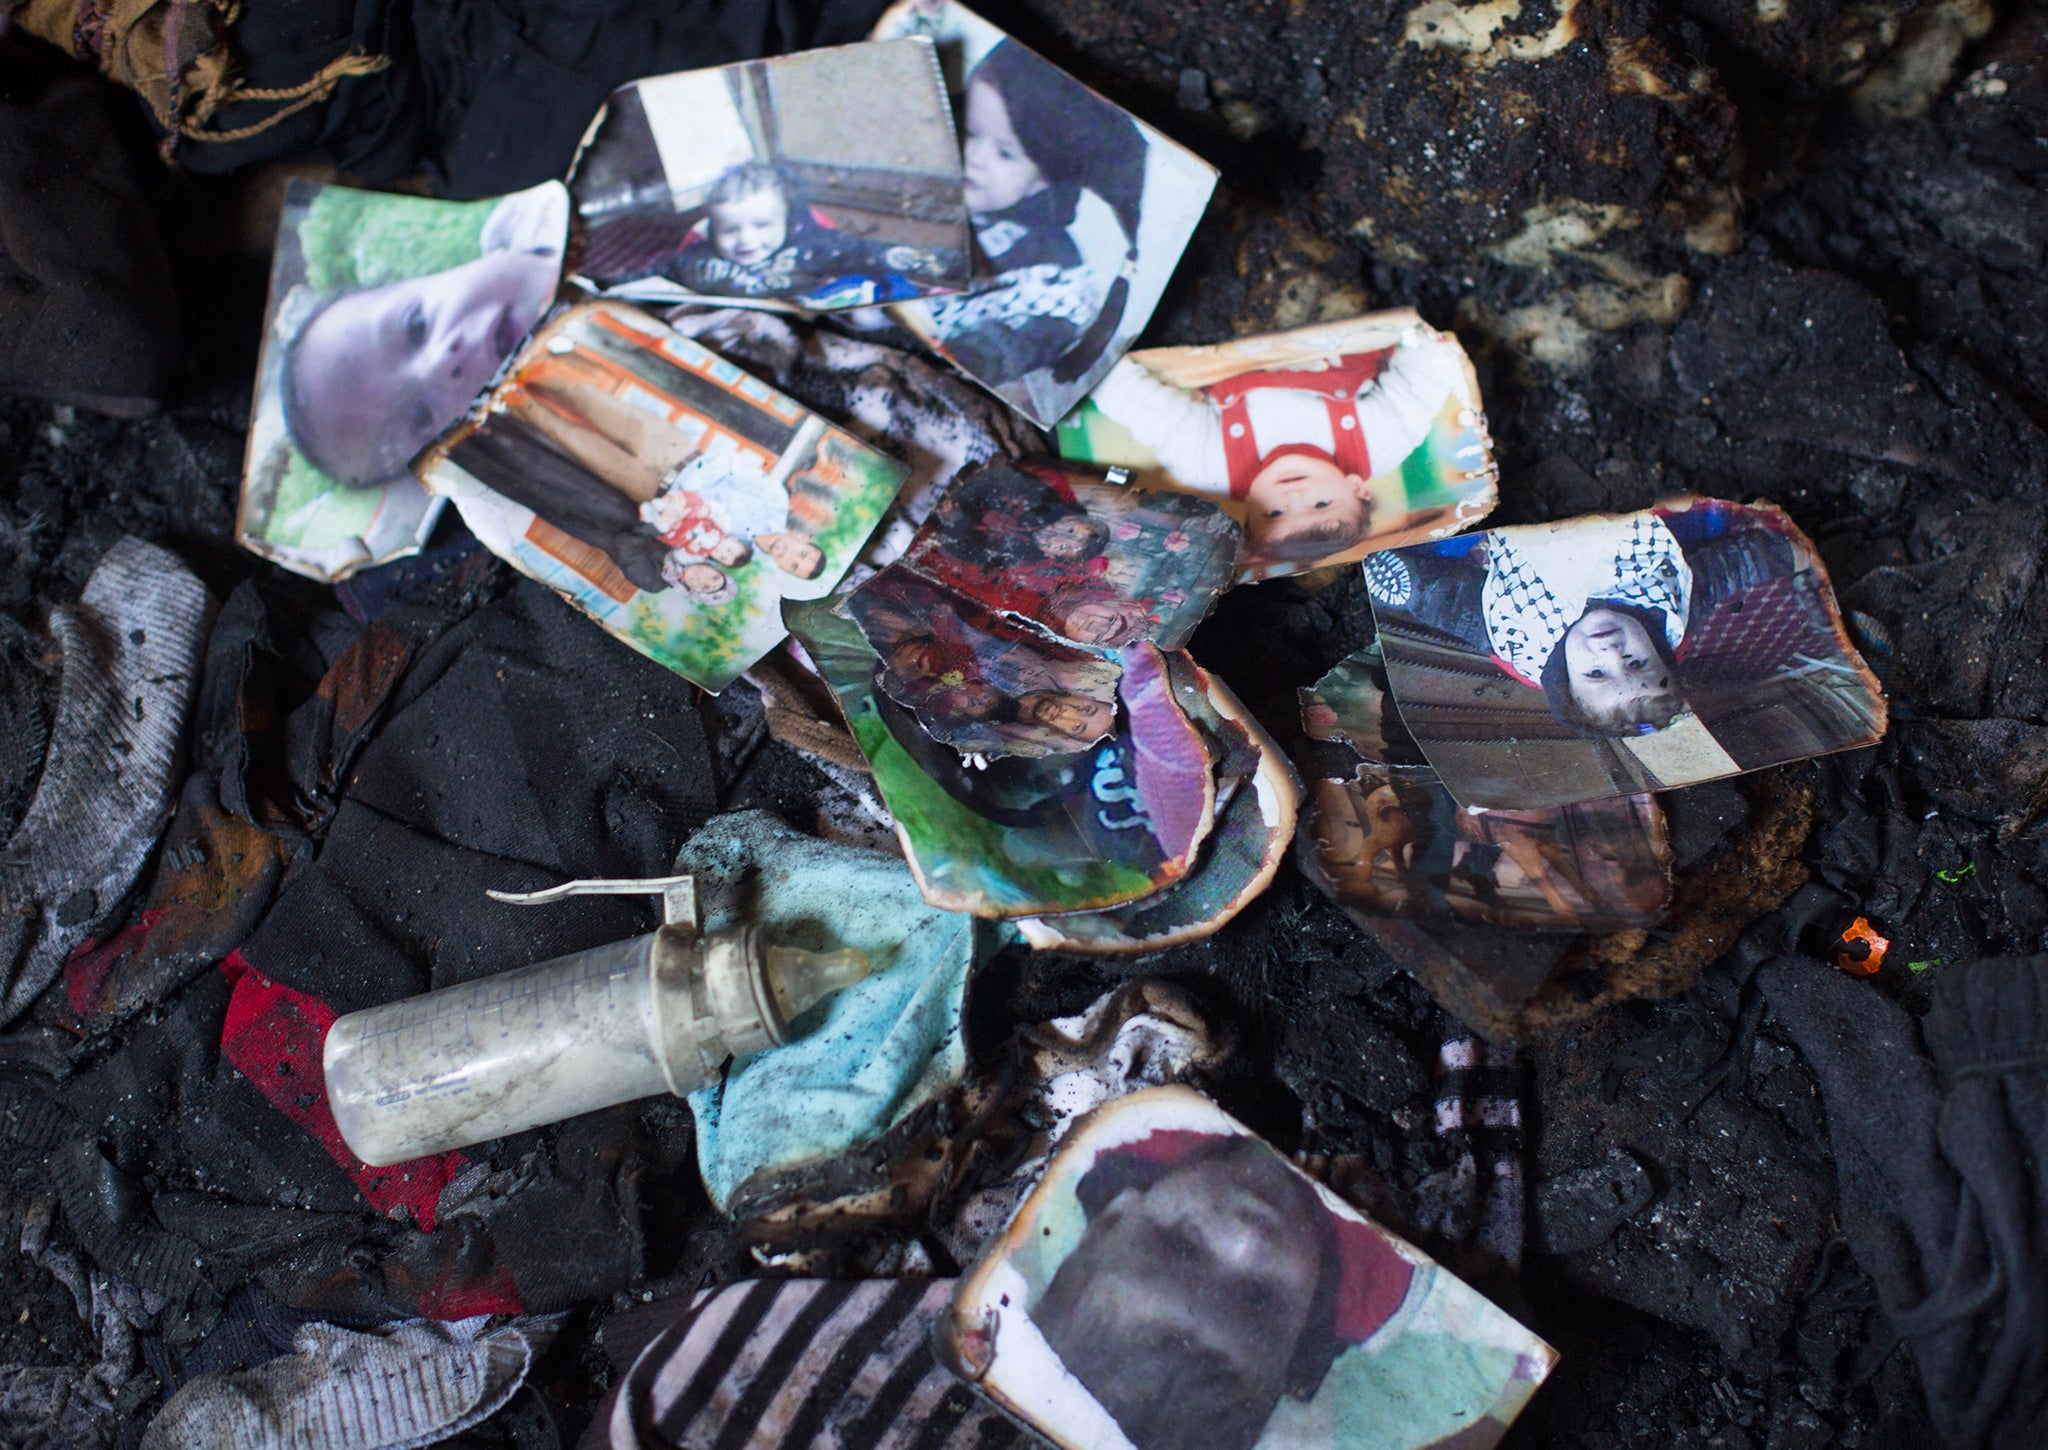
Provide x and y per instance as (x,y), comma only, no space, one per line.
(1328,442)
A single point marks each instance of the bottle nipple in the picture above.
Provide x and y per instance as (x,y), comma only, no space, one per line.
(799,978)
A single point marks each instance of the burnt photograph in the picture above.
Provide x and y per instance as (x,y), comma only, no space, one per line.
(1607,655)
(1392,842)
(1174,1283)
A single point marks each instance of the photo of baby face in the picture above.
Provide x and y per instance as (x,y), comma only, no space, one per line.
(1000,172)
(389,316)
(376,375)
(744,183)
(1622,652)
(749,216)
(1326,442)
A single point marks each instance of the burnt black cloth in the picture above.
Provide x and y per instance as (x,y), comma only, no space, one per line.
(520,748)
(486,96)
(475,732)
(1943,1157)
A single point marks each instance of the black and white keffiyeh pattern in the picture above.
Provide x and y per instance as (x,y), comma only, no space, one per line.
(796,1364)
(1018,296)
(1541,578)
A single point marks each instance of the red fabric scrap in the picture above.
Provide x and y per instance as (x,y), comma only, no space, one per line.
(274,1036)
(92,963)
(450,1299)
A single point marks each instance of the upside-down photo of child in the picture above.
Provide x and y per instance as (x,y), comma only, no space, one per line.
(1080,212)
(745,184)
(388,316)
(1623,652)
(1327,442)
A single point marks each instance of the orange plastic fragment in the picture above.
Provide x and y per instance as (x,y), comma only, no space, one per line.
(1861,950)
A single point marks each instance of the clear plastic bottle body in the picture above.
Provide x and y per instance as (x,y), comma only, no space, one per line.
(659,1013)
(498,1055)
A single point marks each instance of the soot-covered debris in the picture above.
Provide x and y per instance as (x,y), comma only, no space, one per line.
(1788,253)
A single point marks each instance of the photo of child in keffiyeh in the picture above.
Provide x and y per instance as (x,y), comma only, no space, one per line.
(1054,176)
(1598,629)
(1624,627)
(1594,613)
(1080,212)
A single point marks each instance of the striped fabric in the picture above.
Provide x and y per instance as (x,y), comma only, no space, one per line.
(797,1363)
(1479,1115)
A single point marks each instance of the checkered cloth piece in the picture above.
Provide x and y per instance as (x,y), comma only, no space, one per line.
(1764,629)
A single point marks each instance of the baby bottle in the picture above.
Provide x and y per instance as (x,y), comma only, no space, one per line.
(656,1013)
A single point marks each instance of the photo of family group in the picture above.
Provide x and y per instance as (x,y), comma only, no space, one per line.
(1098,563)
(1080,213)
(1325,442)
(1174,1283)
(1548,664)
(387,316)
(749,184)
(1392,842)
(671,496)
(981,683)
(1000,625)
(1018,835)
